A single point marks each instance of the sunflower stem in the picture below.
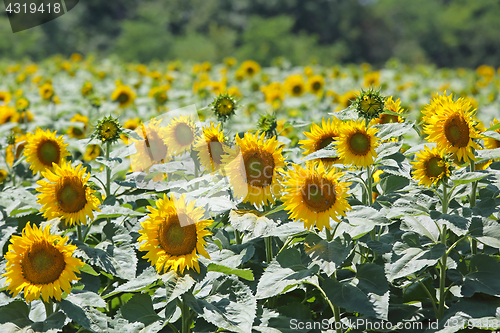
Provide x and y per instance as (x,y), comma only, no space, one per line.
(473,242)
(186,319)
(108,171)
(269,249)
(442,263)
(237,237)
(49,307)
(79,232)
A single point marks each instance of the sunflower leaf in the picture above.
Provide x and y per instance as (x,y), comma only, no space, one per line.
(387,131)
(176,285)
(328,255)
(86,316)
(17,313)
(246,274)
(140,309)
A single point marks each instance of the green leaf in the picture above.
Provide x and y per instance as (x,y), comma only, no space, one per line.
(468,177)
(140,309)
(53,323)
(146,278)
(367,293)
(422,225)
(123,259)
(252,225)
(458,224)
(89,270)
(16,312)
(95,256)
(362,215)
(85,298)
(392,130)
(488,154)
(485,231)
(246,274)
(483,276)
(229,305)
(290,258)
(85,316)
(407,260)
(327,255)
(387,149)
(277,279)
(115,211)
(393,183)
(176,285)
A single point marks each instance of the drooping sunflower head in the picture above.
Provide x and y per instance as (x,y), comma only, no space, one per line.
(356,144)
(44,149)
(430,167)
(369,103)
(491,143)
(224,106)
(250,68)
(320,137)
(123,95)
(314,195)
(66,195)
(452,128)
(253,168)
(387,118)
(315,84)
(181,134)
(210,147)
(153,149)
(108,129)
(294,85)
(46,91)
(41,264)
(173,235)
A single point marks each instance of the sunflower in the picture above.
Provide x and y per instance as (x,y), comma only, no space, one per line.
(124,95)
(87,89)
(314,195)
(391,105)
(294,85)
(181,134)
(174,235)
(159,94)
(22,104)
(452,128)
(15,148)
(273,92)
(430,167)
(78,132)
(5,97)
(153,149)
(40,264)
(437,102)
(91,152)
(369,104)
(108,130)
(210,147)
(321,136)
(3,176)
(224,106)
(44,149)
(249,68)
(315,84)
(356,144)
(253,168)
(46,91)
(7,114)
(490,143)
(66,194)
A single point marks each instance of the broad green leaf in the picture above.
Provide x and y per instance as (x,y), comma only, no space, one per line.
(492,134)
(367,293)
(362,215)
(53,323)
(483,276)
(468,177)
(392,130)
(85,298)
(277,279)
(408,260)
(393,183)
(230,305)
(146,278)
(115,211)
(140,308)
(123,259)
(17,313)
(485,231)
(456,223)
(387,149)
(242,273)
(176,285)
(488,154)
(422,225)
(328,255)
(95,256)
(86,316)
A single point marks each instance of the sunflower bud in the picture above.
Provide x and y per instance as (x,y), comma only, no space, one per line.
(267,124)
(108,130)
(224,106)
(369,104)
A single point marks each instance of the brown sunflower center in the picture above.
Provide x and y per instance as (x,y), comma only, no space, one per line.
(184,134)
(122,98)
(388,118)
(250,70)
(70,194)
(216,151)
(259,168)
(318,194)
(48,152)
(42,263)
(316,86)
(359,143)
(175,239)
(434,167)
(324,143)
(456,131)
(297,89)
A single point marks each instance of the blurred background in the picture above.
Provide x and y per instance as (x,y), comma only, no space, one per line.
(461,33)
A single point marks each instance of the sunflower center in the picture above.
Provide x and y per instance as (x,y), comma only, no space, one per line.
(456,130)
(434,167)
(122,98)
(216,151)
(70,194)
(48,152)
(359,143)
(42,263)
(184,134)
(318,194)
(108,130)
(225,107)
(316,86)
(259,168)
(175,239)
(297,89)
(324,142)
(250,70)
(388,118)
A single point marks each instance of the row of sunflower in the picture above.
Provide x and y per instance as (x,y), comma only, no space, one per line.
(225,218)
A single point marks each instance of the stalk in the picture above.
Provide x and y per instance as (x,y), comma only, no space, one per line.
(269,249)
(49,307)
(473,242)
(186,318)
(442,264)
(108,171)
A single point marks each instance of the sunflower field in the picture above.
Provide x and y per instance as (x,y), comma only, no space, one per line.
(199,197)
